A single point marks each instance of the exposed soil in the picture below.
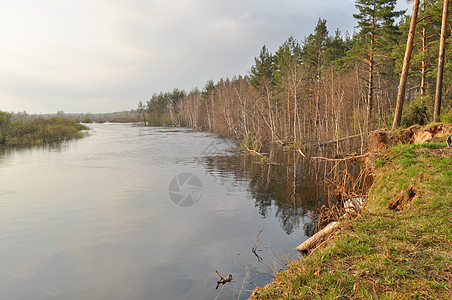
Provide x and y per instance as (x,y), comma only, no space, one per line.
(401,202)
(379,141)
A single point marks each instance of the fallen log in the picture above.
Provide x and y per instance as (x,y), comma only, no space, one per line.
(271,163)
(352,207)
(339,140)
(318,238)
(356,157)
(346,138)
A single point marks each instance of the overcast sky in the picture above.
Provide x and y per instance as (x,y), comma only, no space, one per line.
(106,55)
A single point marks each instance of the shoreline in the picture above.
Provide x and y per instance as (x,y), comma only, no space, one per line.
(377,254)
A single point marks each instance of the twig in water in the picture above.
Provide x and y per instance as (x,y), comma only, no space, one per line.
(219,292)
(256,244)
(222,280)
(301,152)
(254,151)
(247,276)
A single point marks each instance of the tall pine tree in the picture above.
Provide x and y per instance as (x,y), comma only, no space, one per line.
(377,31)
(315,54)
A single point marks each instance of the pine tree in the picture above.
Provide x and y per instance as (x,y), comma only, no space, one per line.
(142,112)
(426,45)
(377,33)
(263,69)
(315,54)
(288,78)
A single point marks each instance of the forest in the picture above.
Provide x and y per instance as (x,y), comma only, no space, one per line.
(330,85)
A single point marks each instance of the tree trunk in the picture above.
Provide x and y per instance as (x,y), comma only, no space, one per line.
(406,67)
(209,122)
(439,78)
(319,70)
(288,110)
(370,91)
(270,112)
(423,62)
(371,80)
(144,118)
(295,110)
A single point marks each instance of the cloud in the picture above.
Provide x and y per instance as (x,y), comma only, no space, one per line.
(79,55)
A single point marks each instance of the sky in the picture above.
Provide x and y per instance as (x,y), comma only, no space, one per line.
(107,55)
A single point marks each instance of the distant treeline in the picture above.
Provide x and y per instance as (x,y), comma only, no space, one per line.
(38,131)
(324,87)
(115,117)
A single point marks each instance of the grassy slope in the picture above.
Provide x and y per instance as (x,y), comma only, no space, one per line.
(387,254)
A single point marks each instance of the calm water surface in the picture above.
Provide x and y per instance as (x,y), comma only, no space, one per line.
(93,219)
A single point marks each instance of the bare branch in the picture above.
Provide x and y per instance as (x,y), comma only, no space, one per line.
(256,244)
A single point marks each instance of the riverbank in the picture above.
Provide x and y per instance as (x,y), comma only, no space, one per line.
(399,247)
(38,132)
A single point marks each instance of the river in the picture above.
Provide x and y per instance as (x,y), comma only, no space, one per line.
(146,213)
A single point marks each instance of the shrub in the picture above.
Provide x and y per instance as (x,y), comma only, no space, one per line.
(416,113)
(294,144)
(38,132)
(250,142)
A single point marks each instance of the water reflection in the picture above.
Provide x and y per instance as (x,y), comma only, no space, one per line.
(291,190)
(93,216)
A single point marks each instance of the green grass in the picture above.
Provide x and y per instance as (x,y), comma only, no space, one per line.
(386,254)
(380,162)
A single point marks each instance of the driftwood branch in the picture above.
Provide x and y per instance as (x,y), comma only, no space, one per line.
(253,151)
(270,163)
(301,152)
(222,280)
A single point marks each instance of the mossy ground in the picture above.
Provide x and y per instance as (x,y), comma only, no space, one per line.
(400,247)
